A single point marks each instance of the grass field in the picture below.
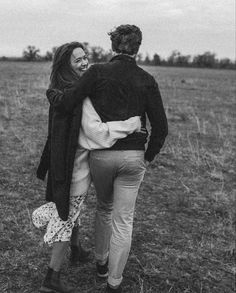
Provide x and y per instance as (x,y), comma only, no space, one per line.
(184,230)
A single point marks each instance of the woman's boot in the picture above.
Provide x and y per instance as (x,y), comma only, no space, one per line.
(53,284)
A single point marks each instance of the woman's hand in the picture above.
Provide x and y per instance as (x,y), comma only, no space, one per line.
(61,100)
(52,95)
(135,122)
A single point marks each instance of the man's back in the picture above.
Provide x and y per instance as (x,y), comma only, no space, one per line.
(122,90)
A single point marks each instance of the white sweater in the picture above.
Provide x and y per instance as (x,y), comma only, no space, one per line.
(94,134)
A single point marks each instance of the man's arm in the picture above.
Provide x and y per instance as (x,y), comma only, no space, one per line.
(157,117)
(69,98)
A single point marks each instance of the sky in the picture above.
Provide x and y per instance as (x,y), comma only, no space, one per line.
(189,26)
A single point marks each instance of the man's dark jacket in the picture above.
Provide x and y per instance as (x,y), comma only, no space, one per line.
(119,90)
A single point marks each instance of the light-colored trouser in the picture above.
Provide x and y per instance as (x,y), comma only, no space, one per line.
(117,176)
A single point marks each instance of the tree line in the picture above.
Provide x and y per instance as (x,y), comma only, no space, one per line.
(98,55)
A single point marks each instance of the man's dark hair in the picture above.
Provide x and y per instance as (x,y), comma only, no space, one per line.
(126,39)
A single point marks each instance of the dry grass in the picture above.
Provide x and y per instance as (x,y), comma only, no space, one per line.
(184,230)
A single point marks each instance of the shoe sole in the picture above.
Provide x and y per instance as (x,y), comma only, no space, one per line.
(103,276)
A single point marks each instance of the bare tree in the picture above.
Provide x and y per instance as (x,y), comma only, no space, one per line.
(205,60)
(31,53)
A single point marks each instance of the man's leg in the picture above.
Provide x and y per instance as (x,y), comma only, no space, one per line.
(126,186)
(102,166)
(117,176)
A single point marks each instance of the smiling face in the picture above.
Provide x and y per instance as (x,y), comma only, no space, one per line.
(79,61)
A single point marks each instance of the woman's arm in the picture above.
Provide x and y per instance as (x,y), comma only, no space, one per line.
(94,134)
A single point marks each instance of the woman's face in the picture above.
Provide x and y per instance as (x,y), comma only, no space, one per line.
(79,61)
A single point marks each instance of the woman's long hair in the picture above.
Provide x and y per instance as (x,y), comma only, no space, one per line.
(63,75)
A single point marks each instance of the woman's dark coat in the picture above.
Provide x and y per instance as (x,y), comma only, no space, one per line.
(58,155)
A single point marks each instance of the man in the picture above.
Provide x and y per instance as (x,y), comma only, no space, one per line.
(119,89)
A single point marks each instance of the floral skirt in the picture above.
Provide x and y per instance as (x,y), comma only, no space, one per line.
(57,229)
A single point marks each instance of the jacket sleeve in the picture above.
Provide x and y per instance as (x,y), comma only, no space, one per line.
(44,162)
(157,117)
(45,157)
(66,100)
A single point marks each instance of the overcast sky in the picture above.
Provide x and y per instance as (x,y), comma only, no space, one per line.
(190,26)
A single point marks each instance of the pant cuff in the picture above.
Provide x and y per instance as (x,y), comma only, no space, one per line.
(114,282)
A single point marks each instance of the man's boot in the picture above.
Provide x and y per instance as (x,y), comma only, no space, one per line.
(78,254)
(53,284)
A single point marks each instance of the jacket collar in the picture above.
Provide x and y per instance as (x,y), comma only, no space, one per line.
(123,57)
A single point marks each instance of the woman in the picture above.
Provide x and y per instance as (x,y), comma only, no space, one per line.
(65,159)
